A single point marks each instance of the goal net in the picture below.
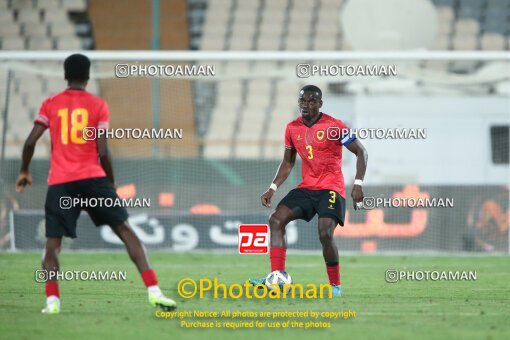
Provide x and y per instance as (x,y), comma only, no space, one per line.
(200,135)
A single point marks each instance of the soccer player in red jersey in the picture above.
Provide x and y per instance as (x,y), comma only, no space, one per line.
(80,168)
(318,139)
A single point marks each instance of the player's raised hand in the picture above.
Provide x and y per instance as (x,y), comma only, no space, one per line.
(24,178)
(265,199)
(357,196)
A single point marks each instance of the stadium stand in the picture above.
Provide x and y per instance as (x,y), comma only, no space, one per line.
(247,110)
(309,25)
(135,17)
(35,25)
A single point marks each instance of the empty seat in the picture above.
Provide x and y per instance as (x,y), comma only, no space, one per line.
(75,5)
(249,134)
(271,26)
(62,29)
(332,3)
(225,4)
(220,18)
(299,26)
(492,41)
(445,13)
(212,44)
(464,43)
(304,5)
(241,43)
(245,15)
(241,29)
(22,4)
(249,5)
(29,17)
(467,27)
(51,5)
(222,123)
(269,43)
(325,43)
(273,17)
(444,28)
(297,44)
(260,87)
(214,31)
(271,29)
(324,28)
(300,18)
(68,43)
(55,16)
(35,29)
(13,43)
(6,17)
(442,42)
(277,5)
(40,43)
(9,30)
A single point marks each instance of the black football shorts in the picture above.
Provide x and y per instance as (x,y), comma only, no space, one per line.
(306,203)
(61,215)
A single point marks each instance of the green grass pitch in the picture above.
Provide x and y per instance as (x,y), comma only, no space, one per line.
(119,310)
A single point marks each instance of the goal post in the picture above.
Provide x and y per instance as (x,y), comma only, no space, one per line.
(225,113)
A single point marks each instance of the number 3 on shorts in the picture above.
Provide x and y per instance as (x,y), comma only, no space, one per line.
(333,197)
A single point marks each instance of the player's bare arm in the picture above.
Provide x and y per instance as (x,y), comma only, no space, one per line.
(361,166)
(289,159)
(104,158)
(24,177)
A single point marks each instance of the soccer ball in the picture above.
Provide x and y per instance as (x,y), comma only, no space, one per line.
(278,278)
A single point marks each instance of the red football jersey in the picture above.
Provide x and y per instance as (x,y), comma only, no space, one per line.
(67,114)
(320,148)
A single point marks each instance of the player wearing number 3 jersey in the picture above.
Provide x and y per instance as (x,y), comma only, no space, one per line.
(318,139)
(79,169)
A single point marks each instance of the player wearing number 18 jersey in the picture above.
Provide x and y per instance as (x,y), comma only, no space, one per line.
(318,139)
(79,168)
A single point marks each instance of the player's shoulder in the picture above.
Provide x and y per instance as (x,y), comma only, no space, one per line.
(53,97)
(64,95)
(326,118)
(90,97)
(295,123)
(94,97)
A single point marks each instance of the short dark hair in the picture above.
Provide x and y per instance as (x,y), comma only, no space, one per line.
(77,67)
(311,88)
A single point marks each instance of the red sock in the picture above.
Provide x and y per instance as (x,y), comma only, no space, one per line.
(52,289)
(149,278)
(333,270)
(277,257)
